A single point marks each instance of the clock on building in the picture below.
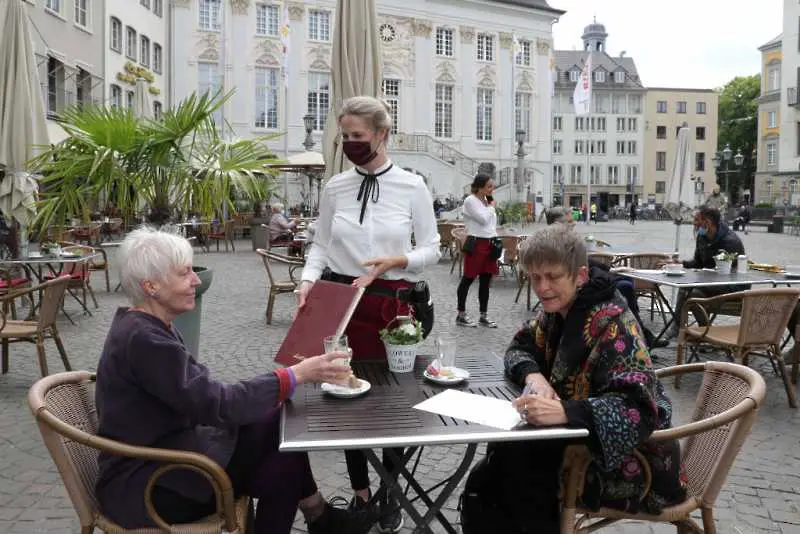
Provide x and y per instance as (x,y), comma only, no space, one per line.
(387,33)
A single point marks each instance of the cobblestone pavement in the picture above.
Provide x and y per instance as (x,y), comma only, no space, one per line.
(761,494)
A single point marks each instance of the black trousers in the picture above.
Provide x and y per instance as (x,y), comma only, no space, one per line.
(358,467)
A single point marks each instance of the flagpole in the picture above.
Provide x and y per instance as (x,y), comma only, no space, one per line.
(518,186)
(589,162)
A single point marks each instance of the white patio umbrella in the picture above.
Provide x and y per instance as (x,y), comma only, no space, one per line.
(23,124)
(356,69)
(680,191)
(142,106)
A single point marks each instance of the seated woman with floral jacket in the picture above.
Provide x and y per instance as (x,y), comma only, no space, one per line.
(586,364)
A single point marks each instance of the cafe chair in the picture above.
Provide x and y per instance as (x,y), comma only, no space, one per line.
(278,287)
(510,253)
(32,330)
(226,235)
(64,408)
(79,276)
(606,258)
(95,264)
(13,279)
(459,237)
(649,290)
(759,332)
(445,230)
(726,407)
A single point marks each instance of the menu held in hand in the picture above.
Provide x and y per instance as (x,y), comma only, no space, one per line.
(329,305)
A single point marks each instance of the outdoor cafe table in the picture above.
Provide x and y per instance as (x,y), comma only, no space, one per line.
(700,278)
(35,266)
(384,418)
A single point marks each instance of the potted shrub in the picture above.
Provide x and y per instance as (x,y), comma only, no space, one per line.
(724,261)
(402,337)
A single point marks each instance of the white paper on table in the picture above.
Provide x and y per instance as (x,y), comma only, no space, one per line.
(486,411)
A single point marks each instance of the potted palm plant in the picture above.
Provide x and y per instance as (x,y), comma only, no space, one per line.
(179,163)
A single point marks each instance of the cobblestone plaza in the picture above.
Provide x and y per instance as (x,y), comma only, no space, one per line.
(761,494)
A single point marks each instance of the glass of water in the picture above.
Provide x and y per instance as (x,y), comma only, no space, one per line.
(331,344)
(446,351)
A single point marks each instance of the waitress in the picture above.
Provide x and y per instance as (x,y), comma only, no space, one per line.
(480,257)
(366,218)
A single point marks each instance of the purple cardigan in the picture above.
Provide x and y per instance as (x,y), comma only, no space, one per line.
(151,391)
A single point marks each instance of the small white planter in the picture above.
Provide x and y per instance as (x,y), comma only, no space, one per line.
(723,266)
(401,358)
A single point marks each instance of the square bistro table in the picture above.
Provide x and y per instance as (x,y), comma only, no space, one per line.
(384,418)
(699,278)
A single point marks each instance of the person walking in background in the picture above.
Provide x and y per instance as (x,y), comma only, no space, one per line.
(594,212)
(633,213)
(480,258)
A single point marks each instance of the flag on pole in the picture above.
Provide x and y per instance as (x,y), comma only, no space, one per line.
(553,74)
(285,32)
(582,96)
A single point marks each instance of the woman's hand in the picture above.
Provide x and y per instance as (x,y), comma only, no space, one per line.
(322,369)
(538,410)
(302,295)
(541,386)
(380,266)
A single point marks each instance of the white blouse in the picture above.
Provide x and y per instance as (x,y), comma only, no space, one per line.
(403,207)
(481,219)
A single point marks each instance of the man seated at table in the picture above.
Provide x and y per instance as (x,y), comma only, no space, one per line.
(713,235)
(280,228)
(583,363)
(624,285)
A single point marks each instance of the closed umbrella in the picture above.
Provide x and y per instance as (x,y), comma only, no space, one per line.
(356,69)
(141,100)
(23,124)
(680,195)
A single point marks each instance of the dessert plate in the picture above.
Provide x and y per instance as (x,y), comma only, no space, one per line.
(458,376)
(344,392)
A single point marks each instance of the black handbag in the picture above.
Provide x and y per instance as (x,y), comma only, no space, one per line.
(497,248)
(419,298)
(469,245)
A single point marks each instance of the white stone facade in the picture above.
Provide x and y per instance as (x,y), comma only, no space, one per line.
(461,52)
(136,44)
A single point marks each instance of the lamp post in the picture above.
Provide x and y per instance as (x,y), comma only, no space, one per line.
(308,144)
(520,137)
(726,154)
(792,187)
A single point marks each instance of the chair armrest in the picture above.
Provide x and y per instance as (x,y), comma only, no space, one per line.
(225,499)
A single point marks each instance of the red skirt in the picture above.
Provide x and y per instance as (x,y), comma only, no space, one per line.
(372,315)
(480,261)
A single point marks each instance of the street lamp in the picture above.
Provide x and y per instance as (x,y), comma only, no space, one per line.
(520,137)
(738,159)
(308,121)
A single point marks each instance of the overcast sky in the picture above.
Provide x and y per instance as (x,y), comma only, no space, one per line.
(679,43)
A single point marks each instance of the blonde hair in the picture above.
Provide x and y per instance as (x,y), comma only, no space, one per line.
(371,110)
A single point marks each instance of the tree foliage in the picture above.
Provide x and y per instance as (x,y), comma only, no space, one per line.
(180,162)
(738,124)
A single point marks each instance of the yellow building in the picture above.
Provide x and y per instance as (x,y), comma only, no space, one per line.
(771,185)
(666,109)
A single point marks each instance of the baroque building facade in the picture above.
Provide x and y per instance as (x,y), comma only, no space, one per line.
(460,78)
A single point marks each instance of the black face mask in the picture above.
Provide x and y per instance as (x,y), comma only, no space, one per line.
(359,152)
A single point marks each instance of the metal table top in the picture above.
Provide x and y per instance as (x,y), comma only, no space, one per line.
(385,417)
(707,277)
(46,258)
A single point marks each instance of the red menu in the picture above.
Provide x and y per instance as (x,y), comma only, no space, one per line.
(329,305)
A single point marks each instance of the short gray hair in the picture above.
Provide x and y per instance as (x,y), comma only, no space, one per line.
(369,109)
(149,254)
(555,245)
(278,207)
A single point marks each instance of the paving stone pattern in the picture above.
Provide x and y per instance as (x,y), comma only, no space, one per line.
(761,494)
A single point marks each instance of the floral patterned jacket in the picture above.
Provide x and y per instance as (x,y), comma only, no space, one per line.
(597,361)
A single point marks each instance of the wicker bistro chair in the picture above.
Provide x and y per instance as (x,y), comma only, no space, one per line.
(459,236)
(79,276)
(649,290)
(606,258)
(64,408)
(725,410)
(510,253)
(446,236)
(225,235)
(13,279)
(765,314)
(36,331)
(277,287)
(96,264)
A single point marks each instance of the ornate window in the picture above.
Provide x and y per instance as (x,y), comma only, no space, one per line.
(318,98)
(391,94)
(266,98)
(267,19)
(319,25)
(444,42)
(210,15)
(483,124)
(485,47)
(443,111)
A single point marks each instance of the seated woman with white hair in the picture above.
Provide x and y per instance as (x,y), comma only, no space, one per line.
(280,228)
(152,392)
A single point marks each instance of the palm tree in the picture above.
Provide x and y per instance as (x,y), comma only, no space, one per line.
(179,162)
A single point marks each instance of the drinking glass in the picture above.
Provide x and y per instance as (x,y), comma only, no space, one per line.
(331,345)
(446,351)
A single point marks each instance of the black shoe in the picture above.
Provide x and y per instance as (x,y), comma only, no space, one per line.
(463,320)
(391,517)
(363,513)
(483,321)
(659,343)
(334,521)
